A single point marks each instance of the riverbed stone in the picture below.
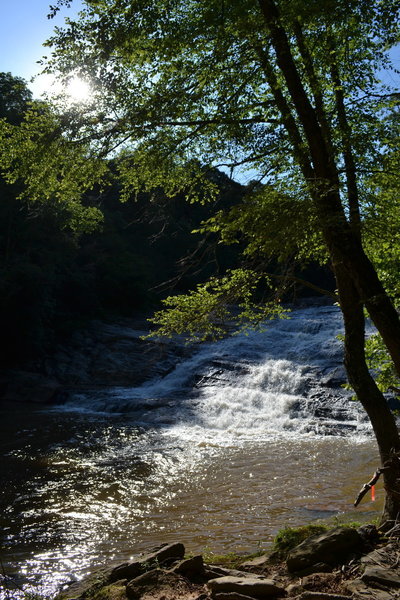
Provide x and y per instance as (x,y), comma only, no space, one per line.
(330,548)
(256,587)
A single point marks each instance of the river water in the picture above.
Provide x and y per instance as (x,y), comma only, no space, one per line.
(246,436)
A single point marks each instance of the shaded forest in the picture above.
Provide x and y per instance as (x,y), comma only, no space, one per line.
(53,279)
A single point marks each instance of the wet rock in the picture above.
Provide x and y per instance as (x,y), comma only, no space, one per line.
(165,555)
(112,354)
(329,548)
(256,587)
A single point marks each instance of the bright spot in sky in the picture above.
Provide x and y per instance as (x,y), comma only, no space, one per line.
(77,90)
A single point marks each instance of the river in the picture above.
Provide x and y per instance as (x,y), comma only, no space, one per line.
(248,435)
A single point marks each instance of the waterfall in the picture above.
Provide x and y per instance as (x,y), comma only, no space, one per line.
(283,381)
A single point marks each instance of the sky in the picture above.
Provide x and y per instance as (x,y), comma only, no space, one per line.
(24,27)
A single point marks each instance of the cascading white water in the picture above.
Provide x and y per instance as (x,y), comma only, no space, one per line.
(282,381)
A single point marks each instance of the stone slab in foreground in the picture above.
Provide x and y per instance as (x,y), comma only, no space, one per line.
(256,587)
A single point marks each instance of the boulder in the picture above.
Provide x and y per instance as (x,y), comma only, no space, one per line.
(255,587)
(329,548)
(165,555)
(192,568)
(157,583)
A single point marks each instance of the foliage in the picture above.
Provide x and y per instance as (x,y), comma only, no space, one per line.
(180,87)
(289,537)
(56,183)
(216,306)
(379,361)
(231,560)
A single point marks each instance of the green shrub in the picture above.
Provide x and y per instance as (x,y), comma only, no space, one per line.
(289,537)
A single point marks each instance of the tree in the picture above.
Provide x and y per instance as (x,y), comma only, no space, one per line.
(285,88)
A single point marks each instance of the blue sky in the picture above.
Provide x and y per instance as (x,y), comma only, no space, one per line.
(23,29)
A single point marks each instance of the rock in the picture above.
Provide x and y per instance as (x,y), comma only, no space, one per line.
(126,571)
(156,583)
(369,534)
(361,591)
(329,548)
(260,562)
(294,589)
(232,596)
(115,591)
(166,554)
(256,587)
(190,568)
(318,568)
(386,556)
(225,572)
(381,576)
(24,386)
(87,587)
(322,596)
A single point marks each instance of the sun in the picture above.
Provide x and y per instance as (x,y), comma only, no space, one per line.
(78,90)
(75,90)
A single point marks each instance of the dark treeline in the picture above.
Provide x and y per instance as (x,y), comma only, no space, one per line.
(53,280)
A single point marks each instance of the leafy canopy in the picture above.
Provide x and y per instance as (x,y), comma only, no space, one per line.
(181,87)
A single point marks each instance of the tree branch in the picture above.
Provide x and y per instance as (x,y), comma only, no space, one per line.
(367,486)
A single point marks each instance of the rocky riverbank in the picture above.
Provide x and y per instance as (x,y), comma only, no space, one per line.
(103,354)
(337,564)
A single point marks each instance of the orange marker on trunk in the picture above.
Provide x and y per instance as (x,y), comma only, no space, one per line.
(373,493)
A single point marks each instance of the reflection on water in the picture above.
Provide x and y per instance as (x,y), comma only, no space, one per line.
(81,490)
(220,453)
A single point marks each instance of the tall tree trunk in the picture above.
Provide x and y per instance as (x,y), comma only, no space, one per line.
(343,243)
(371,398)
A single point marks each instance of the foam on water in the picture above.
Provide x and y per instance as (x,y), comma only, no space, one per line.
(261,385)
